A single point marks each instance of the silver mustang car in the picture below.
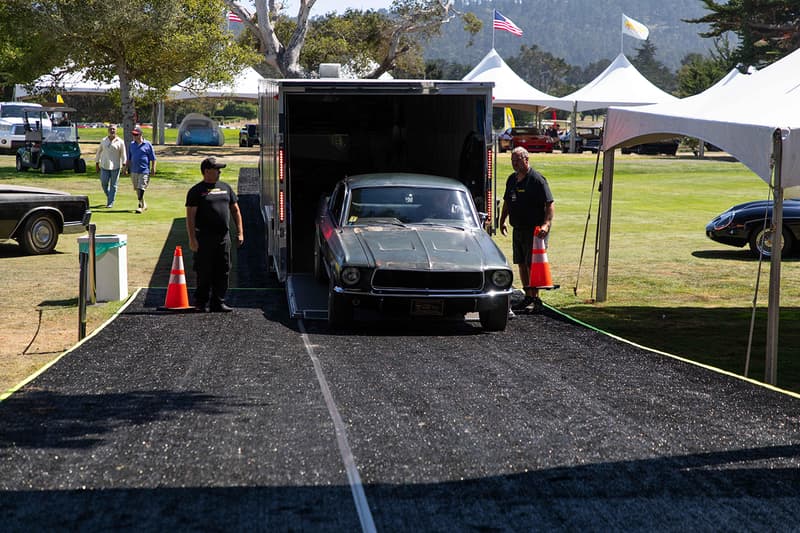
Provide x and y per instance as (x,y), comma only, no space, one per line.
(410,245)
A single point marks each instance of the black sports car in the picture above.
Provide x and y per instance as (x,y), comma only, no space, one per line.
(35,217)
(412,245)
(744,224)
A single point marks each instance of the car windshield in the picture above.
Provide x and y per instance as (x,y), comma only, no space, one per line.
(60,134)
(16,111)
(410,205)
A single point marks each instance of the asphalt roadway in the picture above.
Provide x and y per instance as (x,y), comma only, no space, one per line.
(252,421)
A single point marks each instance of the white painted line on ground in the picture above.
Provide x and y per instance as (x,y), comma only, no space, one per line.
(356,488)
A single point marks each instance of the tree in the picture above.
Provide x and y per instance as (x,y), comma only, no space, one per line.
(392,37)
(697,72)
(767,29)
(541,69)
(654,70)
(154,42)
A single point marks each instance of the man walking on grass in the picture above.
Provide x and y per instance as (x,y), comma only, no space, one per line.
(141,165)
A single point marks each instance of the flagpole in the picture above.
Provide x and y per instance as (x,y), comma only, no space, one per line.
(621,35)
(493,29)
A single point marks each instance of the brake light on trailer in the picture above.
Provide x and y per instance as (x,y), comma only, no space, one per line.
(281,169)
(282,206)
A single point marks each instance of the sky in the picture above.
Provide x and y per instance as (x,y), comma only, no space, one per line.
(326,6)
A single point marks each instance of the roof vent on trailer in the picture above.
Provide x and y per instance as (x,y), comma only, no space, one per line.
(329,70)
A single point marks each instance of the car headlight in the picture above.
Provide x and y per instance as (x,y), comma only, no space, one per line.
(501,278)
(724,220)
(351,276)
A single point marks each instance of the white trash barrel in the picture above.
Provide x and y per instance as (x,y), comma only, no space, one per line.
(111,275)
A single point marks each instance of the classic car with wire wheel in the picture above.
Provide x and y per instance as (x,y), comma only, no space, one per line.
(35,217)
(411,245)
(529,138)
(743,224)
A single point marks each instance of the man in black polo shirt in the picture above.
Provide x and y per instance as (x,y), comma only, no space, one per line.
(209,207)
(529,203)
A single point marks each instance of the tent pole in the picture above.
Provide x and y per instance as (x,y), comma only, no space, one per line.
(774,306)
(604,225)
(574,126)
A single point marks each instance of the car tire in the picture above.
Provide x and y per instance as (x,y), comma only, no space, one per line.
(242,143)
(20,166)
(759,235)
(39,234)
(495,319)
(320,274)
(340,312)
(80,166)
(46,166)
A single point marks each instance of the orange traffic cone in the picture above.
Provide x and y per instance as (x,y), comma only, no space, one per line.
(177,295)
(540,268)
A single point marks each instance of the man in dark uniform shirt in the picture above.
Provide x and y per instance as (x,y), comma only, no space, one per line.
(529,203)
(209,207)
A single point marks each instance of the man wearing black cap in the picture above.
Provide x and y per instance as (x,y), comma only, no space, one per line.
(209,207)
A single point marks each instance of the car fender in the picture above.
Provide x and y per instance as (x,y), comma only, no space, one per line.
(49,210)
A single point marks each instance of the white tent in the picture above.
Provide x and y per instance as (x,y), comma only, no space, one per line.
(509,89)
(620,84)
(756,119)
(244,86)
(75,83)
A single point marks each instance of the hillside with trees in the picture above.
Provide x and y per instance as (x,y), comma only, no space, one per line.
(580,32)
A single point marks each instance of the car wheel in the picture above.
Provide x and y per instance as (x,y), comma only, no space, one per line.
(39,234)
(761,242)
(20,166)
(340,312)
(495,319)
(80,166)
(320,274)
(242,143)
(46,166)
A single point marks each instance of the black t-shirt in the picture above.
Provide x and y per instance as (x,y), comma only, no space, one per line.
(527,200)
(213,202)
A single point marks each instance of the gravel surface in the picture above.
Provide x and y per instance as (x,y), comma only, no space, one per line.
(217,421)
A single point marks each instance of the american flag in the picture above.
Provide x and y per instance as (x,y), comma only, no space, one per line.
(503,23)
(233,17)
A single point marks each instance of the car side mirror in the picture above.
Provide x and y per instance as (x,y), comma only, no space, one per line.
(484,217)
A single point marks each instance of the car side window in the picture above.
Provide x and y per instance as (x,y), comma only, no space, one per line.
(337,203)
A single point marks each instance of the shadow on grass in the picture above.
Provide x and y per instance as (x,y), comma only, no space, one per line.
(249,269)
(712,336)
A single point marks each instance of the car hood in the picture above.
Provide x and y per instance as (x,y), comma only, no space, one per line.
(422,248)
(790,203)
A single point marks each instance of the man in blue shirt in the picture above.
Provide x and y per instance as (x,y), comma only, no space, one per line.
(141,165)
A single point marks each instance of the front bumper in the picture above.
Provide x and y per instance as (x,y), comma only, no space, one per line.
(425,303)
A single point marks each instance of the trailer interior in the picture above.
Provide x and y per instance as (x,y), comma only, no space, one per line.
(337,135)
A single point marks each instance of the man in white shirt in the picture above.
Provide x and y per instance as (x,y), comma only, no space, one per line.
(111,157)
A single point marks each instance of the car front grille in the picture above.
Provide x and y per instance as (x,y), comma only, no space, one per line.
(427,281)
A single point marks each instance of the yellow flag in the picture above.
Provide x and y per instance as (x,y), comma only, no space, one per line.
(508,121)
(634,28)
(59,100)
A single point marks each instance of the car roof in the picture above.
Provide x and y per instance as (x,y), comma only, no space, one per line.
(4,189)
(403,179)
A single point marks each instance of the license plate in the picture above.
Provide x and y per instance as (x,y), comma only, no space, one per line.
(427,307)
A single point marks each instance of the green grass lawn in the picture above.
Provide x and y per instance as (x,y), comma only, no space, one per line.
(670,288)
(95,135)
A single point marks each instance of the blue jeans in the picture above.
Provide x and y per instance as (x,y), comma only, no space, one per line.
(109,179)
